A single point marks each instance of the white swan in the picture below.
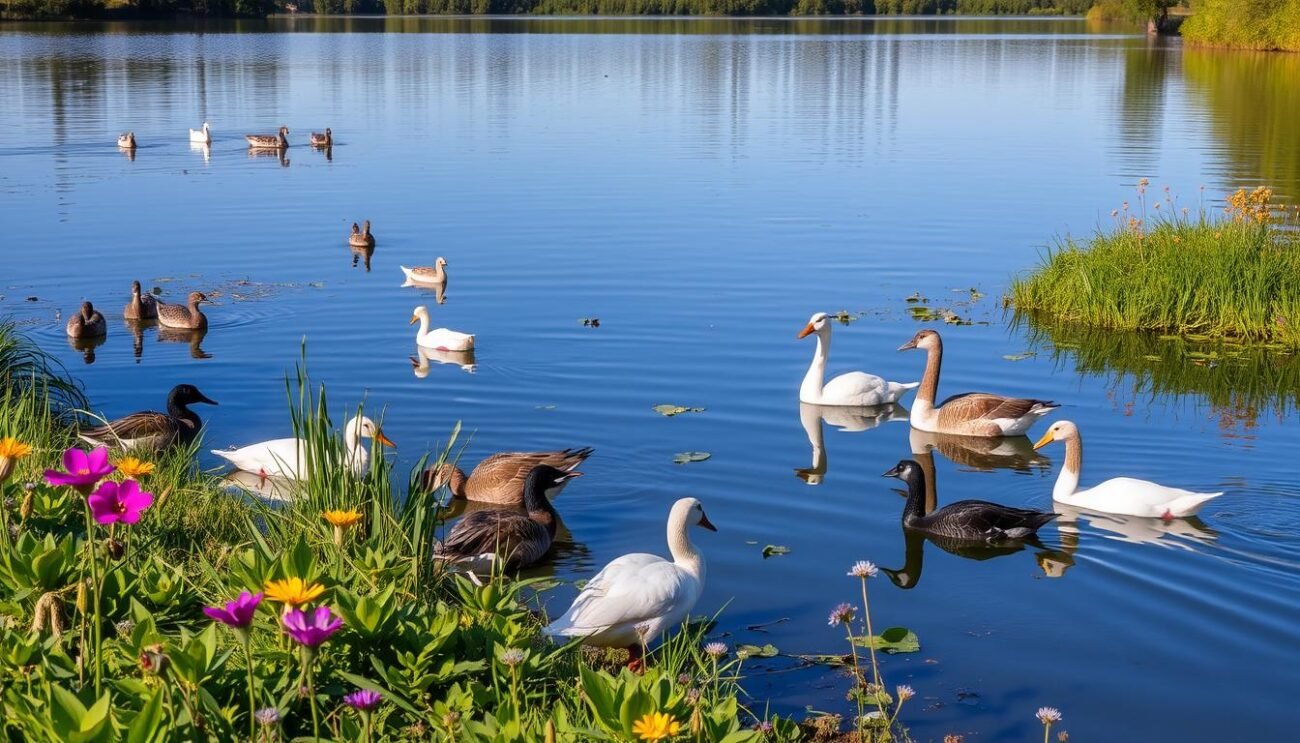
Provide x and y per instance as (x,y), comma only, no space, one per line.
(1121,495)
(287,457)
(439,339)
(634,598)
(201,136)
(858,389)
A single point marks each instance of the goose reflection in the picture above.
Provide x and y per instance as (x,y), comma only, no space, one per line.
(87,346)
(848,419)
(572,555)
(181,335)
(362,252)
(421,364)
(909,575)
(327,149)
(280,154)
(984,454)
(204,148)
(439,290)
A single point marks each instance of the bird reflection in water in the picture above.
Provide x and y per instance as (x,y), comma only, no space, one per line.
(422,363)
(848,419)
(87,346)
(566,553)
(439,290)
(136,328)
(358,253)
(280,154)
(179,335)
(1014,453)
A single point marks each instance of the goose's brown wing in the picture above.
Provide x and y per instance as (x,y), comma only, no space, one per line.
(146,424)
(984,406)
(514,537)
(501,477)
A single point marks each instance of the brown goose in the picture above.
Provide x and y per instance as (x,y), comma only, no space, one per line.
(88,323)
(269,141)
(142,306)
(361,238)
(151,430)
(501,478)
(435,274)
(508,539)
(322,140)
(126,141)
(972,413)
(182,316)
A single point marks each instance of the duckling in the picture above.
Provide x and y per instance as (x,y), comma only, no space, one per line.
(322,140)
(967,520)
(88,323)
(361,238)
(142,306)
(126,141)
(186,316)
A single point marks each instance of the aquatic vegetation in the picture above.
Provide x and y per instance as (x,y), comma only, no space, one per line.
(1246,24)
(1162,268)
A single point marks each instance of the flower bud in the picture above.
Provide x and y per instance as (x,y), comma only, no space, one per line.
(25,510)
(81,597)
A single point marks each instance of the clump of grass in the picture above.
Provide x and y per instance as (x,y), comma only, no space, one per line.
(1163,269)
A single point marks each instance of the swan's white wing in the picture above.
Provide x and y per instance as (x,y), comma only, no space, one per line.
(276,457)
(632,589)
(862,389)
(1130,496)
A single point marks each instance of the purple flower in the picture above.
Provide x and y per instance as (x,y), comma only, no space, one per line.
(312,631)
(81,470)
(362,700)
(114,502)
(238,613)
(842,614)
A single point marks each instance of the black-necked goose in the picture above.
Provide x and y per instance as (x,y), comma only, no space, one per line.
(152,430)
(967,520)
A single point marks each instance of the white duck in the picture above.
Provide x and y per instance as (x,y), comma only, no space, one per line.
(856,388)
(1121,495)
(430,275)
(439,339)
(636,597)
(201,136)
(287,458)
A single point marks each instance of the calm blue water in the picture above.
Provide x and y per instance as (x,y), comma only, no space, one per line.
(702,188)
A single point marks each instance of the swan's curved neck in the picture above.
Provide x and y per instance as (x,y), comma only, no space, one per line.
(424,323)
(683,550)
(811,389)
(929,389)
(1068,481)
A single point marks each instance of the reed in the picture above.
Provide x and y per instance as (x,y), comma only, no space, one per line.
(1161,268)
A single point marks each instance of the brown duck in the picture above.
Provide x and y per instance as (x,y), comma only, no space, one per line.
(142,306)
(501,478)
(361,238)
(88,323)
(269,141)
(184,316)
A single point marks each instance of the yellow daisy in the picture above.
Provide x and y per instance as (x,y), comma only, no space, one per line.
(656,726)
(135,468)
(293,591)
(11,450)
(342,519)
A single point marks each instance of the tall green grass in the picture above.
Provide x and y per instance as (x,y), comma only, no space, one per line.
(1161,268)
(1245,24)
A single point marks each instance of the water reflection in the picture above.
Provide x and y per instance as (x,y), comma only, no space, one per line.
(1182,533)
(87,346)
(136,328)
(281,154)
(192,337)
(439,290)
(1239,383)
(421,364)
(848,419)
(983,454)
(566,552)
(362,253)
(203,148)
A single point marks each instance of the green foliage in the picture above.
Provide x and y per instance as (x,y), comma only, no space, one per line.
(1163,270)
(1246,24)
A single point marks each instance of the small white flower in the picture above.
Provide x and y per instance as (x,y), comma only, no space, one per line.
(1048,715)
(512,657)
(905,692)
(715,649)
(863,569)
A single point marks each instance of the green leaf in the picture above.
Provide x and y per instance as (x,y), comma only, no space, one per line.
(144,727)
(1020,356)
(671,410)
(754,651)
(687,457)
(893,640)
(775,549)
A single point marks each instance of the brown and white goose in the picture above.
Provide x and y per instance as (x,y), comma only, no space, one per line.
(126,141)
(269,141)
(88,323)
(183,316)
(142,306)
(431,275)
(150,430)
(322,140)
(501,478)
(487,540)
(361,238)
(970,413)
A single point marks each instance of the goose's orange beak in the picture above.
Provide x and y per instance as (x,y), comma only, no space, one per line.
(381,438)
(1044,441)
(807,331)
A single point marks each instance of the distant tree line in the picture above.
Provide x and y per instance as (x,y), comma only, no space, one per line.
(259,8)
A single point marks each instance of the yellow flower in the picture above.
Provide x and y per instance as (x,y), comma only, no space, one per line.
(342,519)
(11,450)
(656,726)
(293,591)
(135,468)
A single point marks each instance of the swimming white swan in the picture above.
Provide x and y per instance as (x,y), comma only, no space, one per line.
(1121,495)
(287,457)
(439,339)
(636,597)
(855,388)
(201,136)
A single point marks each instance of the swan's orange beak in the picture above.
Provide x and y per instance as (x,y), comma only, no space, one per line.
(381,438)
(414,320)
(807,331)
(1047,439)
(705,523)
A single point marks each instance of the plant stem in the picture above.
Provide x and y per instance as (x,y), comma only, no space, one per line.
(247,640)
(871,635)
(311,690)
(1047,730)
(857,677)
(96,630)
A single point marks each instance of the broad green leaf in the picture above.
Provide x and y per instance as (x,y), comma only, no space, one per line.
(892,640)
(775,549)
(754,651)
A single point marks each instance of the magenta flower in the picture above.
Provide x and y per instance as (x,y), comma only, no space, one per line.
(81,470)
(312,631)
(238,613)
(114,502)
(362,700)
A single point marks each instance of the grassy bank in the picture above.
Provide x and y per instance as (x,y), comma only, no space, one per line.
(1163,268)
(1245,24)
(192,614)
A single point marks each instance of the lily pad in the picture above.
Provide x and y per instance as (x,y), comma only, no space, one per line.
(671,410)
(754,651)
(1020,356)
(916,297)
(893,640)
(924,314)
(775,549)
(687,457)
(826,660)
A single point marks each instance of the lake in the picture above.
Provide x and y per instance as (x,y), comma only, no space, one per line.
(702,187)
